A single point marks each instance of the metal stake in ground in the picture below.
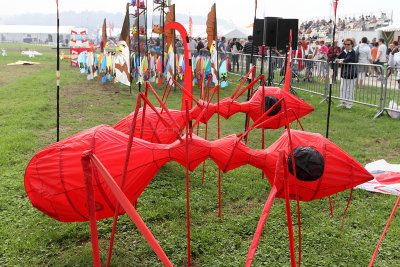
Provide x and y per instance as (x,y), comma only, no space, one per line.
(58,74)
(335,3)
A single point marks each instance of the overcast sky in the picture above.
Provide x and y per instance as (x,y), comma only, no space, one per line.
(240,12)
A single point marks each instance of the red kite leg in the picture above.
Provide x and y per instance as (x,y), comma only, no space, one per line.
(87,170)
(289,216)
(348,203)
(123,178)
(251,94)
(187,179)
(290,226)
(132,213)
(263,130)
(165,90)
(265,212)
(299,223)
(330,205)
(384,232)
(206,96)
(144,112)
(244,80)
(219,169)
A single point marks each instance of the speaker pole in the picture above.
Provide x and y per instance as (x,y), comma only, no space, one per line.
(262,61)
(269,67)
(335,3)
(284,65)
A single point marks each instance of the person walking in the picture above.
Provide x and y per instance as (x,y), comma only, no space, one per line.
(348,73)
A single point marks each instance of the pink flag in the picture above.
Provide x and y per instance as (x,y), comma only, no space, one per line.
(190,26)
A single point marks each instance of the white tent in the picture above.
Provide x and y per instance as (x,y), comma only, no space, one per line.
(235,33)
(390,28)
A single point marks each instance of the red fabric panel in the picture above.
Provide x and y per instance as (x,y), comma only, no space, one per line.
(54,180)
(153,130)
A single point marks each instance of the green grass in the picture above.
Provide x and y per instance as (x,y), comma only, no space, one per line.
(29,237)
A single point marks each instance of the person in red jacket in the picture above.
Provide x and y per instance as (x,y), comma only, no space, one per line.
(298,56)
(332,55)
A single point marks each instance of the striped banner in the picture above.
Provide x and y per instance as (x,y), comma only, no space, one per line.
(388,36)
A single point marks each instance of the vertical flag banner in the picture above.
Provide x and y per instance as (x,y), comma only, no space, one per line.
(190,26)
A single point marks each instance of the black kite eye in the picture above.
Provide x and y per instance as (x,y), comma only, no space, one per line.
(309,162)
(269,102)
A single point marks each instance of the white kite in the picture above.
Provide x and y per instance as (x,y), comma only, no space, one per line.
(122,63)
(31,53)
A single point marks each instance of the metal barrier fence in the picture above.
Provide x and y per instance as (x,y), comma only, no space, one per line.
(367,84)
(392,92)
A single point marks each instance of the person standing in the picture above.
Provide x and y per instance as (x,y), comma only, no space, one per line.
(249,49)
(348,74)
(332,55)
(316,56)
(372,43)
(192,46)
(304,43)
(394,62)
(364,57)
(200,45)
(235,48)
(222,48)
(381,57)
(298,55)
(393,50)
(323,55)
(374,53)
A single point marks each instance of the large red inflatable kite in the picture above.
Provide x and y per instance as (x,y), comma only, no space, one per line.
(100,172)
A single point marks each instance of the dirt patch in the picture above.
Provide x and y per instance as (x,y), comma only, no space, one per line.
(13,73)
(88,95)
(381,141)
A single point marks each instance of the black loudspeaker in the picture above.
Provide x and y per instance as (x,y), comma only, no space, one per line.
(284,27)
(270,30)
(258,32)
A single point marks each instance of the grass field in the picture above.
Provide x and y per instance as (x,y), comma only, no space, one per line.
(29,238)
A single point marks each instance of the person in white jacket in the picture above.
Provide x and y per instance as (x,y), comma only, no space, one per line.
(394,63)
(364,57)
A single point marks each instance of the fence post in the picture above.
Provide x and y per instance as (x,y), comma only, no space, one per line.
(326,89)
(326,80)
(382,99)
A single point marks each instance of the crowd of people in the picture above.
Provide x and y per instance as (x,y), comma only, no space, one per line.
(357,61)
(313,28)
